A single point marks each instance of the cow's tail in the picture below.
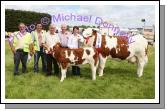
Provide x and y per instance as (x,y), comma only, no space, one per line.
(146,50)
(146,54)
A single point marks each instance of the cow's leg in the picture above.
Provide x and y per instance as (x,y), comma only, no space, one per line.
(93,68)
(63,74)
(140,65)
(102,62)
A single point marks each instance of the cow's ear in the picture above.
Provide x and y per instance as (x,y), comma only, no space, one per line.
(58,44)
(94,31)
(54,47)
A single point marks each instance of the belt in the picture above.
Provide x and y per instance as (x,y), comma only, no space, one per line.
(64,47)
(19,50)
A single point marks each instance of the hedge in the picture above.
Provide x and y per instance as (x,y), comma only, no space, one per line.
(14,17)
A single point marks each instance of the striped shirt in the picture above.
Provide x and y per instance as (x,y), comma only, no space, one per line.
(64,38)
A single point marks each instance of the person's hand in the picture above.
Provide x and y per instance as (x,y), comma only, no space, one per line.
(45,46)
(79,38)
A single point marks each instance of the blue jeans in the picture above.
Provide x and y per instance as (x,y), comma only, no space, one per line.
(37,55)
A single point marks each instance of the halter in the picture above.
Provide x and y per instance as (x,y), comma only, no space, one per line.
(88,39)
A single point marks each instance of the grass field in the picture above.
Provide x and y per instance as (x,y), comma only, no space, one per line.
(120,81)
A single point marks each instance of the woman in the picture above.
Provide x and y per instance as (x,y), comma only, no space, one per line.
(74,42)
(51,39)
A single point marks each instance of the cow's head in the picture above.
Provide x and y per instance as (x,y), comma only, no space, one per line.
(89,32)
(56,47)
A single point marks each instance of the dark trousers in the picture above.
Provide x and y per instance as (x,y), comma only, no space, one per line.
(50,60)
(22,56)
(76,70)
(37,55)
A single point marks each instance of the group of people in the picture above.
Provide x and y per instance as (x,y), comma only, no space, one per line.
(38,38)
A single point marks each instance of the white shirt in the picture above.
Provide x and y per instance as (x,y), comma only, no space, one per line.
(51,40)
(73,41)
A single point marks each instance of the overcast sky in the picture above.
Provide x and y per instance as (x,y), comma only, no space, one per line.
(122,15)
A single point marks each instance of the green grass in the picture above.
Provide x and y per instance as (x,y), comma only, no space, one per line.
(120,81)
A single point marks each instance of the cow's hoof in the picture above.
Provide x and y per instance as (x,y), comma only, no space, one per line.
(100,75)
(61,80)
(139,75)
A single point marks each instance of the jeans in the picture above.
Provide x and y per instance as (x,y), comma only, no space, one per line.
(22,56)
(37,55)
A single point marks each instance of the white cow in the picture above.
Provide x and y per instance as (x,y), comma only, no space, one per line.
(134,49)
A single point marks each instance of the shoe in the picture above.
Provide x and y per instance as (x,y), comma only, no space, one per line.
(15,73)
(77,74)
(48,74)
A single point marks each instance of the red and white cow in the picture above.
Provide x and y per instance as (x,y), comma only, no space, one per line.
(66,57)
(118,47)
